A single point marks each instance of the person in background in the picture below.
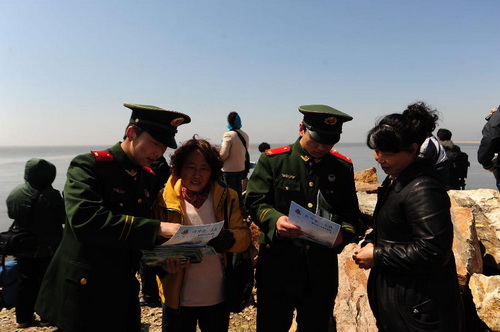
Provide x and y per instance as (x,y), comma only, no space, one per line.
(413,283)
(91,283)
(432,150)
(264,146)
(235,143)
(487,154)
(194,293)
(457,161)
(36,206)
(292,272)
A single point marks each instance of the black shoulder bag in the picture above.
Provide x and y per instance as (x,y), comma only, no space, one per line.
(248,165)
(239,276)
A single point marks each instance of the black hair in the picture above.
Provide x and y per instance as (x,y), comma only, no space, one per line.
(264,146)
(397,132)
(443,134)
(231,117)
(138,130)
(209,152)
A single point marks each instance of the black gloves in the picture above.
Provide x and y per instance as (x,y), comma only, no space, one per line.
(222,242)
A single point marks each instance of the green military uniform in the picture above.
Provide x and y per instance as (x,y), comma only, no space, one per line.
(91,284)
(294,272)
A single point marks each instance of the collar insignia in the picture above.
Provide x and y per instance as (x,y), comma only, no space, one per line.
(288,176)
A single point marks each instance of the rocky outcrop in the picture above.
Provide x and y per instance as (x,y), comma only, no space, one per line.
(366,180)
(486,295)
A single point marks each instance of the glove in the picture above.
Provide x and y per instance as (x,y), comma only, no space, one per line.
(222,242)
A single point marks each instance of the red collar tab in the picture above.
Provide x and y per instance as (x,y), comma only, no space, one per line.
(101,156)
(340,156)
(272,152)
(149,170)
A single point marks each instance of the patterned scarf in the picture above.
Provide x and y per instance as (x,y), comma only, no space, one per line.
(195,198)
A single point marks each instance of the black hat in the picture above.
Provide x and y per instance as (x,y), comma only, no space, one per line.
(161,124)
(324,122)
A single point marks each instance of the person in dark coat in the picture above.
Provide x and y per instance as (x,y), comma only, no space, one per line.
(36,206)
(91,283)
(293,272)
(487,154)
(413,283)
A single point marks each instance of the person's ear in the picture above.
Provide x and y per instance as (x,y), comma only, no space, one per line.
(130,133)
(302,129)
(415,149)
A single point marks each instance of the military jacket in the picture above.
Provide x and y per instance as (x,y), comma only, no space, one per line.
(289,174)
(91,280)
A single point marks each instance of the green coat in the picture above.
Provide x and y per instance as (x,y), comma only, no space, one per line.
(90,284)
(293,266)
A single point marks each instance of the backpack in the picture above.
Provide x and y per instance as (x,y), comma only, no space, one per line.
(458,165)
(248,164)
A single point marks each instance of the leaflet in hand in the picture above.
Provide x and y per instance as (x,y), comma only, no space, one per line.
(315,228)
(195,234)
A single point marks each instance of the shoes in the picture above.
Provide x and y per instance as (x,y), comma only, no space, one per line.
(45,323)
(152,304)
(23,325)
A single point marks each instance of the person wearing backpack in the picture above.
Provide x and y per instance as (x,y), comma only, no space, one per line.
(234,153)
(490,145)
(458,161)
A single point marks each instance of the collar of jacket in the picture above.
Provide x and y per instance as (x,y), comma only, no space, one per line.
(416,169)
(172,195)
(121,157)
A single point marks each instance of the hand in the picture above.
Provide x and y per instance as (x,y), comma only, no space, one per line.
(175,265)
(222,242)
(287,229)
(364,257)
(168,229)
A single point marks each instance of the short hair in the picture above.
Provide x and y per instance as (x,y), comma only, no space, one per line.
(443,134)
(138,130)
(398,131)
(264,146)
(209,152)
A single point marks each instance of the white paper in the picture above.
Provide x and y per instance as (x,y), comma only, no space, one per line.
(315,228)
(199,234)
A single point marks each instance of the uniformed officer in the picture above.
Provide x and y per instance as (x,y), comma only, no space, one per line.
(91,284)
(294,273)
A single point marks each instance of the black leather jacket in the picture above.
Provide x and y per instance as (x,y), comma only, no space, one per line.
(413,285)
(490,142)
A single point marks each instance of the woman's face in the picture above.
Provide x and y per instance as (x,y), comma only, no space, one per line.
(195,172)
(393,163)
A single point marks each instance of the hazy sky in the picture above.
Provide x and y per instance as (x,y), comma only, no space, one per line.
(67,67)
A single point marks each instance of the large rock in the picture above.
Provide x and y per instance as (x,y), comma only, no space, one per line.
(366,180)
(485,206)
(352,310)
(465,245)
(486,296)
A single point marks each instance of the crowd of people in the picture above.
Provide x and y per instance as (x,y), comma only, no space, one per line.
(128,198)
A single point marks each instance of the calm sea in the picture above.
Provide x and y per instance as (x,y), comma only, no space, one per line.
(13,159)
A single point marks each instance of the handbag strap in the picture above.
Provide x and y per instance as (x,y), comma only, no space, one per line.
(242,139)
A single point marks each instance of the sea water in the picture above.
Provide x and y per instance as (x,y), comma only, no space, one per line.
(13,160)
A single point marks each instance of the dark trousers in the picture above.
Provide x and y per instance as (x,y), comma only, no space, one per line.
(213,318)
(31,271)
(233,180)
(497,177)
(275,312)
(149,284)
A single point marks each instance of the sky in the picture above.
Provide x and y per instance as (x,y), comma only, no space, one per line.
(67,67)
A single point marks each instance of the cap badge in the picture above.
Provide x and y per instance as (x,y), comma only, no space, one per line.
(331,120)
(331,177)
(177,122)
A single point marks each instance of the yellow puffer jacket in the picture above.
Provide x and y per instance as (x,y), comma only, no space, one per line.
(169,208)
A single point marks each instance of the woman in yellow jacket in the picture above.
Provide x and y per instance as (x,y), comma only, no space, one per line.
(194,293)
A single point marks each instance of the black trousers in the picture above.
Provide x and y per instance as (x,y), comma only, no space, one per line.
(31,271)
(213,318)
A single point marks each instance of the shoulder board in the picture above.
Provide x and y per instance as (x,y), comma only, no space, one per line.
(101,156)
(149,170)
(340,156)
(272,152)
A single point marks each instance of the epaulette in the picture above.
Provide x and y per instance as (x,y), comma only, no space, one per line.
(149,170)
(340,156)
(272,152)
(101,156)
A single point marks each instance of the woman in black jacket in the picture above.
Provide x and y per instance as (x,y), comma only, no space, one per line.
(413,283)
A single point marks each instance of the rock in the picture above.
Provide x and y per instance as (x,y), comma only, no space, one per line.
(485,206)
(352,310)
(366,180)
(367,203)
(486,295)
(465,245)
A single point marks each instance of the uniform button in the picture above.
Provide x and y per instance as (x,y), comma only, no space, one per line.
(121,204)
(139,200)
(310,205)
(286,188)
(268,246)
(311,184)
(308,247)
(83,281)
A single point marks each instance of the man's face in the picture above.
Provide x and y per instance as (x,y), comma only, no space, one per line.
(144,148)
(315,149)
